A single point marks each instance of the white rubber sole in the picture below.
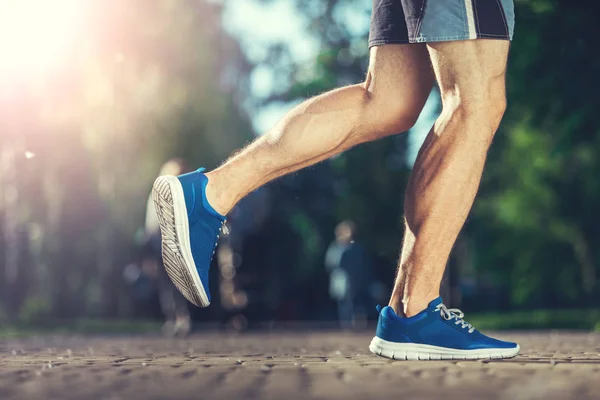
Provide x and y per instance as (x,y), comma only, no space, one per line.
(169,201)
(414,351)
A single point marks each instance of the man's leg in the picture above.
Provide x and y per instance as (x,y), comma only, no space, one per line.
(471,76)
(388,102)
(191,207)
(417,325)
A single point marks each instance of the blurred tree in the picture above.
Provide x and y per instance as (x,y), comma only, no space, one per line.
(536,223)
(145,81)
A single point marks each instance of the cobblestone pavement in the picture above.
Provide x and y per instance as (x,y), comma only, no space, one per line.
(284,365)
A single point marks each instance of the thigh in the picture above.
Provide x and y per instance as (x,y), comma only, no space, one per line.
(470,69)
(400,74)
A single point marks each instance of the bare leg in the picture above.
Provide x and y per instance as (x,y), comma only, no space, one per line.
(388,102)
(446,176)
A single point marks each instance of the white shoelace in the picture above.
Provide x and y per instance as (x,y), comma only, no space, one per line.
(223,229)
(450,313)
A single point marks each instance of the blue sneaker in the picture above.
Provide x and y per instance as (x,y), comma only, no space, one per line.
(190,230)
(436,333)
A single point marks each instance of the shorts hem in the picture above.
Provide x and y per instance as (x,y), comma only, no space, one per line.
(381,42)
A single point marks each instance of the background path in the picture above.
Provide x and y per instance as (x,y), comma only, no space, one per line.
(288,365)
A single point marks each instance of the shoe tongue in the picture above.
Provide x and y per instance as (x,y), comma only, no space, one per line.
(435,303)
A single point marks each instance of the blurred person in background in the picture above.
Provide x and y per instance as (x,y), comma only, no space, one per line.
(173,305)
(349,266)
(464,46)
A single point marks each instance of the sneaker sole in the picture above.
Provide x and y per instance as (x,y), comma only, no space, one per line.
(414,351)
(169,201)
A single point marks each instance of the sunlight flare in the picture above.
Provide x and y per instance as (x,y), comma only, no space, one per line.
(37,35)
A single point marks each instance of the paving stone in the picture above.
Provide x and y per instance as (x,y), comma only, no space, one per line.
(288,366)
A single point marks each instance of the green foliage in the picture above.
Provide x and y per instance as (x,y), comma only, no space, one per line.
(540,192)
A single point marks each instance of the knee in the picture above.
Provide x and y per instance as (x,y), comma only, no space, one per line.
(484,110)
(399,115)
(496,106)
(391,113)
(480,111)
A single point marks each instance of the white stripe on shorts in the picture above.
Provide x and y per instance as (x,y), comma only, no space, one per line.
(471,19)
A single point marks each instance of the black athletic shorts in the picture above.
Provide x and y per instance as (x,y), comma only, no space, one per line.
(421,21)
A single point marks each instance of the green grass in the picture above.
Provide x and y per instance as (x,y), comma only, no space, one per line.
(82,327)
(578,319)
(538,319)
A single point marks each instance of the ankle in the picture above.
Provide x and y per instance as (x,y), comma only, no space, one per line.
(397,306)
(411,306)
(415,306)
(215,196)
